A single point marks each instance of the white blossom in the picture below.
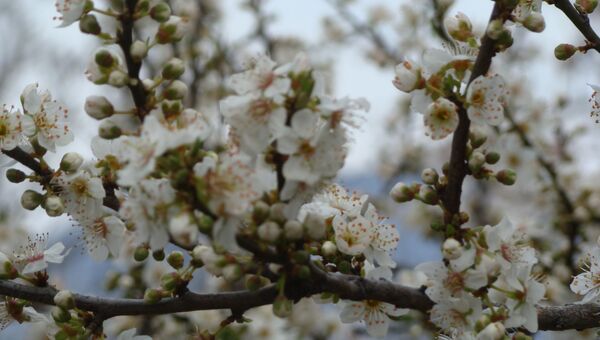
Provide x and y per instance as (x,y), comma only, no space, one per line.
(14,128)
(149,207)
(102,235)
(34,256)
(81,193)
(48,117)
(509,244)
(441,118)
(485,96)
(588,282)
(70,10)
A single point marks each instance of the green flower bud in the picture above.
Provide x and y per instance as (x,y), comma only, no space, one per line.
(253,282)
(54,206)
(476,161)
(118,78)
(71,161)
(506,177)
(564,51)
(492,157)
(171,107)
(176,90)
(205,224)
(173,69)
(495,29)
(161,12)
(31,199)
(232,272)
(535,22)
(282,307)
(138,50)
(152,296)
(64,299)
(401,193)
(260,212)
(277,212)
(158,255)
(269,231)
(477,138)
(109,130)
(586,6)
(60,315)
(141,253)
(428,195)
(429,176)
(98,107)
(15,175)
(175,259)
(170,281)
(89,24)
(170,31)
(104,58)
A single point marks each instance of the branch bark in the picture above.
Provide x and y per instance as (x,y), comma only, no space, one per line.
(580,21)
(457,170)
(574,316)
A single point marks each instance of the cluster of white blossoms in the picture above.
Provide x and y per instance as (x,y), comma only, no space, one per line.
(588,282)
(486,277)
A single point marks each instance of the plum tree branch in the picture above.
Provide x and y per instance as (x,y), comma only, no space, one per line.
(580,21)
(457,170)
(575,316)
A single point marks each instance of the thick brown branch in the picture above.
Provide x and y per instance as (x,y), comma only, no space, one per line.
(125,40)
(458,162)
(347,287)
(580,21)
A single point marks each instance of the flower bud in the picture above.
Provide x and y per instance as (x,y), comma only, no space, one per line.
(152,296)
(564,51)
(586,6)
(138,50)
(54,206)
(173,69)
(170,31)
(15,175)
(493,331)
(407,77)
(260,212)
(254,282)
(31,199)
(71,161)
(506,177)
(171,107)
(476,161)
(401,193)
(451,249)
(429,176)
(98,107)
(477,138)
(293,230)
(495,29)
(459,27)
(504,41)
(232,272)
(282,307)
(175,259)
(176,90)
(277,212)
(269,231)
(315,226)
(109,130)
(105,58)
(161,12)
(64,299)
(60,315)
(428,195)
(118,78)
(535,22)
(158,255)
(7,269)
(205,223)
(170,281)
(492,157)
(89,24)
(141,253)
(328,249)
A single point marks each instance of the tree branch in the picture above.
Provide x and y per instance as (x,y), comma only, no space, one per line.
(580,21)
(458,162)
(574,316)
